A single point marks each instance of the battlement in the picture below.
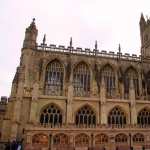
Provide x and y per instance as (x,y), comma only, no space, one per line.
(3,100)
(88,51)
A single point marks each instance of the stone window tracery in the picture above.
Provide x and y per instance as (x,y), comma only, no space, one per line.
(148,85)
(121,138)
(82,140)
(138,138)
(131,74)
(54,78)
(85,117)
(143,118)
(51,116)
(81,80)
(109,79)
(60,139)
(101,139)
(117,117)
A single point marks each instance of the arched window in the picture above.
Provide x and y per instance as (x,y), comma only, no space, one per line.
(51,116)
(60,140)
(138,138)
(101,139)
(130,74)
(117,117)
(109,79)
(85,117)
(82,140)
(121,138)
(144,117)
(81,80)
(40,139)
(148,84)
(54,78)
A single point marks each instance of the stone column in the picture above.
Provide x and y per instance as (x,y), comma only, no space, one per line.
(103,116)
(33,109)
(116,94)
(69,101)
(26,62)
(132,103)
(112,145)
(94,87)
(17,111)
(140,84)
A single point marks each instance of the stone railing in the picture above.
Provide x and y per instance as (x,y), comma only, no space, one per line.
(89,52)
(97,126)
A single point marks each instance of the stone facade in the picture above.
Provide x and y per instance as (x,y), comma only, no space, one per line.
(65,98)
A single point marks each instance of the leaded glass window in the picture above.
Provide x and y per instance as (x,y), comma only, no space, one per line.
(117,117)
(138,138)
(143,118)
(148,84)
(60,139)
(54,78)
(101,139)
(85,117)
(82,140)
(81,80)
(121,138)
(51,116)
(109,79)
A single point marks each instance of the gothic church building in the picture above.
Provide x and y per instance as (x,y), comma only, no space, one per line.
(66,98)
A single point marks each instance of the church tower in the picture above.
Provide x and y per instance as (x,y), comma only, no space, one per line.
(145,37)
(30,36)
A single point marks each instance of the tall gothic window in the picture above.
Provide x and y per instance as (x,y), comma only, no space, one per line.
(109,79)
(101,139)
(51,116)
(148,85)
(54,78)
(81,80)
(85,117)
(60,140)
(121,138)
(117,117)
(138,138)
(144,117)
(82,140)
(130,74)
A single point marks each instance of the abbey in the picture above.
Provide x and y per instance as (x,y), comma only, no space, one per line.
(73,98)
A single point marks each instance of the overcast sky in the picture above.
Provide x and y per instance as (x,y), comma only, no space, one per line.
(110,22)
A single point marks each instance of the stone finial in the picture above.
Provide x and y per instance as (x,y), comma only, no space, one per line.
(142,22)
(70,42)
(30,36)
(44,39)
(96,45)
(142,19)
(119,48)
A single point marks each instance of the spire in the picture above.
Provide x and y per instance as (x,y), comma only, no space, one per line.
(142,22)
(142,17)
(44,39)
(119,48)
(70,42)
(96,45)
(119,52)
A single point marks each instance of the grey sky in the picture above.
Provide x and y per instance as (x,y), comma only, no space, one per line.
(108,21)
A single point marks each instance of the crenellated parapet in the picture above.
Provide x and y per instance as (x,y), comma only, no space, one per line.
(88,52)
